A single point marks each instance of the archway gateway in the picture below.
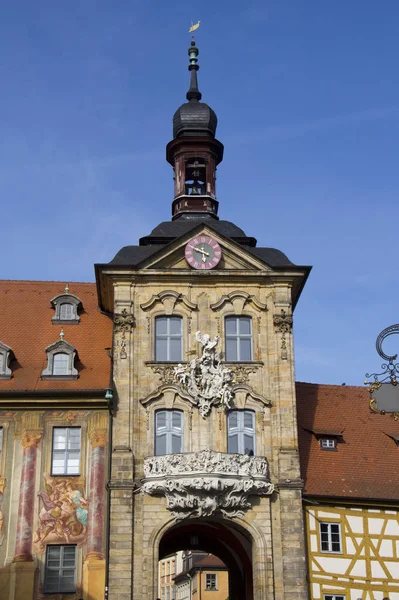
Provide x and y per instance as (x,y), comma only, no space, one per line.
(227,540)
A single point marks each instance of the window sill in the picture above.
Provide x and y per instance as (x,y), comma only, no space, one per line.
(243,362)
(59,377)
(65,474)
(65,321)
(150,363)
(5,377)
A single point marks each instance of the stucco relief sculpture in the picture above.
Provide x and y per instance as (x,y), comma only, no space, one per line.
(203,483)
(63,515)
(205,378)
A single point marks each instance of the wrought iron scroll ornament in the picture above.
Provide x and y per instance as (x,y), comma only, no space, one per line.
(388,374)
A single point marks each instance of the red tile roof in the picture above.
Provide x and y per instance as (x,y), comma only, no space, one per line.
(26,326)
(365,464)
(210,562)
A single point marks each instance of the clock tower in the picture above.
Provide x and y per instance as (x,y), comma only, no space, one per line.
(204,434)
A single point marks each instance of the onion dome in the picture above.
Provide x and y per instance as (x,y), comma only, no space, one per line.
(194,118)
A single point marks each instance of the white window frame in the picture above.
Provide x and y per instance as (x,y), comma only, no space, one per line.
(169,431)
(61,568)
(240,430)
(168,337)
(238,337)
(328,443)
(65,452)
(329,534)
(333,597)
(211,587)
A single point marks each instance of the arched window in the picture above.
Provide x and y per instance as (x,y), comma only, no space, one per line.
(238,336)
(168,432)
(67,311)
(241,432)
(168,339)
(61,364)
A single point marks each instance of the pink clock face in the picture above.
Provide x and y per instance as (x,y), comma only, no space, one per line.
(203,252)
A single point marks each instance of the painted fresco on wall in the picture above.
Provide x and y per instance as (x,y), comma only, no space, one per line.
(2,517)
(63,513)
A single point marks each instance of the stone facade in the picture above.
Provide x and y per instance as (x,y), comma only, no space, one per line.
(241,285)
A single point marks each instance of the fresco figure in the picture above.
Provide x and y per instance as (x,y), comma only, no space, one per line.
(64,514)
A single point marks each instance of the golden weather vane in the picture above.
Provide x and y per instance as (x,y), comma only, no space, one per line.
(194,26)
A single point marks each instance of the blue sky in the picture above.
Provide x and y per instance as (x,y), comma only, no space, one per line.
(307,99)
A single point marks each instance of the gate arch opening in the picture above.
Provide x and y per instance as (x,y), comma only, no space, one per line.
(225,539)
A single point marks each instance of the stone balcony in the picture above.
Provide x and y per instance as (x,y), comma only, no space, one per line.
(203,483)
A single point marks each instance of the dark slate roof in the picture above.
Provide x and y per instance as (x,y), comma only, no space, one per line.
(166,232)
(174,229)
(194,118)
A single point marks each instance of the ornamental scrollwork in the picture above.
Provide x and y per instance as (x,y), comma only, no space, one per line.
(241,374)
(123,324)
(203,483)
(205,378)
(283,323)
(166,373)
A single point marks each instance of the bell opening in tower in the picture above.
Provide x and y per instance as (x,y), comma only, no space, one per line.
(195,180)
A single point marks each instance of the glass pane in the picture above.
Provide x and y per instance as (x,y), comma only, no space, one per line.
(175,349)
(245,349)
(161,349)
(232,444)
(176,444)
(175,325)
(60,436)
(53,552)
(74,437)
(248,444)
(160,445)
(248,419)
(231,325)
(233,419)
(66,311)
(60,364)
(245,325)
(231,349)
(161,324)
(177,419)
(161,419)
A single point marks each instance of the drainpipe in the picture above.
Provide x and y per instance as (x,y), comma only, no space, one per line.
(109,394)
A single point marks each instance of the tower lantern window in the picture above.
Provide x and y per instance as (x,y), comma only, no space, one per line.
(195,178)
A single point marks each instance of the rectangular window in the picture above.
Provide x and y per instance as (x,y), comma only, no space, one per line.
(168,339)
(211,581)
(60,573)
(241,432)
(328,443)
(65,458)
(168,432)
(238,338)
(330,537)
(333,597)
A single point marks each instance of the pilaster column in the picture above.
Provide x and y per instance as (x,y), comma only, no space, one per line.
(31,436)
(98,435)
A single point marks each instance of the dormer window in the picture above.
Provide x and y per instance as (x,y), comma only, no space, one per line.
(6,356)
(67,307)
(61,358)
(328,443)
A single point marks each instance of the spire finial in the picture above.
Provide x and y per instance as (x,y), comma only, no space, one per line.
(67,288)
(62,335)
(193,93)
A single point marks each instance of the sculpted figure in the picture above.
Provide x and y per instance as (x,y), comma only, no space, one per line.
(205,379)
